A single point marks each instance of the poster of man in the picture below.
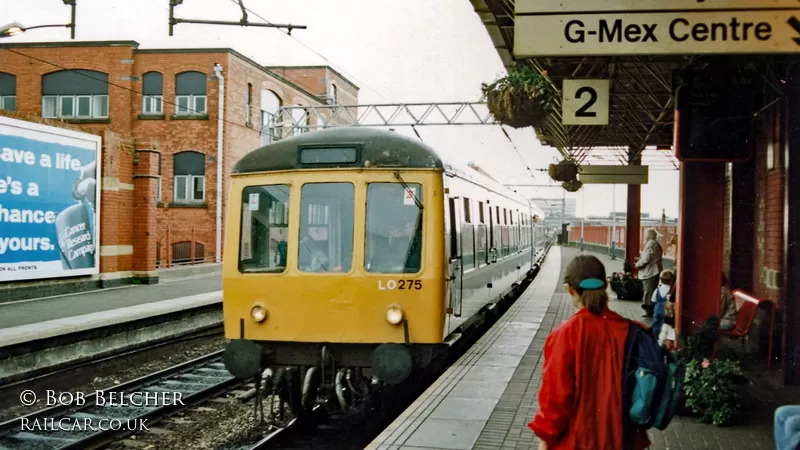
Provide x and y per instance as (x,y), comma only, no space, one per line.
(49,201)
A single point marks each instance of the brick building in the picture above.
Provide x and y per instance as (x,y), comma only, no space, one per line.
(157,110)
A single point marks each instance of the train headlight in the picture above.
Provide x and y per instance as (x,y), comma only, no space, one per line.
(258,313)
(394,314)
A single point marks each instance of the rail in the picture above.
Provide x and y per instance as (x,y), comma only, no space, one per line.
(195,381)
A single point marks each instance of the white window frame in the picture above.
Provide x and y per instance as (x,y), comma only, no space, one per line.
(195,98)
(151,102)
(58,112)
(189,188)
(95,115)
(61,99)
(54,98)
(191,101)
(5,98)
(76,109)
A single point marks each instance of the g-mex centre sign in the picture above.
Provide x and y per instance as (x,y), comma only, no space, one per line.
(653,27)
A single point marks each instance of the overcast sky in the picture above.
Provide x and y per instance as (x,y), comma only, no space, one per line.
(396,51)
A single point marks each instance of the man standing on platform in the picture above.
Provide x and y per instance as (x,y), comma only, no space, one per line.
(649,268)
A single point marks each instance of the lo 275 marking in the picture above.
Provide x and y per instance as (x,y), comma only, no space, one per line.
(406,285)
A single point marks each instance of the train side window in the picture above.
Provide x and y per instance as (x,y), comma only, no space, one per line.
(453,232)
(327,214)
(265,229)
(491,229)
(467,215)
(468,245)
(480,213)
(393,239)
(481,253)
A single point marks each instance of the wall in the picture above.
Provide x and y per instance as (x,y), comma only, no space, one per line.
(768,209)
(170,135)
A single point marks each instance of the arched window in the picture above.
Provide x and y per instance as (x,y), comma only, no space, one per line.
(249,112)
(182,252)
(299,121)
(189,177)
(79,94)
(270,104)
(8,91)
(334,94)
(153,90)
(190,94)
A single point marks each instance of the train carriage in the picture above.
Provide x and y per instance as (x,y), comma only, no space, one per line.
(355,250)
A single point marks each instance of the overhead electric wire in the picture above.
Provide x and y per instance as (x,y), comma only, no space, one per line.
(518,152)
(236,2)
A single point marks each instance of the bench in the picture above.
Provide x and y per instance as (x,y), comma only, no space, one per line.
(747,306)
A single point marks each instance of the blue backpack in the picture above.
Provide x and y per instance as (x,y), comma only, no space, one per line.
(652,383)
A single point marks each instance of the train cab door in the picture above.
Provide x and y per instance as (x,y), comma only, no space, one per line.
(456,266)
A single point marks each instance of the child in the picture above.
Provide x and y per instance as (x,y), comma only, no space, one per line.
(666,338)
(660,297)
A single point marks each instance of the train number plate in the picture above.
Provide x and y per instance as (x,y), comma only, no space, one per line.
(405,285)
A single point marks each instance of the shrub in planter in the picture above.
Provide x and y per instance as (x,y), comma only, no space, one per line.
(713,390)
(700,344)
(520,99)
(626,286)
(572,186)
(563,171)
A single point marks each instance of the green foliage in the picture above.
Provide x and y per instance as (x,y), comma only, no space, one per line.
(572,186)
(700,344)
(626,286)
(713,389)
(519,99)
(520,77)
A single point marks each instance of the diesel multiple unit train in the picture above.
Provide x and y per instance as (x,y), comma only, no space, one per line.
(355,255)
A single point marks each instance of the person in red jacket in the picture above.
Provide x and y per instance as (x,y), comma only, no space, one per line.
(580,400)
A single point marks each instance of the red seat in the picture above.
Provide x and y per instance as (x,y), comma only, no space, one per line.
(747,306)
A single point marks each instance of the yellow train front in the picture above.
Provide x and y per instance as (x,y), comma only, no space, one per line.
(336,257)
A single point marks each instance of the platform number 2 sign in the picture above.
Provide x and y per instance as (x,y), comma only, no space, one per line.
(585,102)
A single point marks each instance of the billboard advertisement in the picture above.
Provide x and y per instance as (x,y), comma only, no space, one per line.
(49,202)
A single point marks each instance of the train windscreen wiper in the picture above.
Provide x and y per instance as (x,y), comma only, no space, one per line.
(408,189)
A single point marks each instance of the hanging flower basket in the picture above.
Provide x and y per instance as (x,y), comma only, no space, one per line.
(572,186)
(520,99)
(563,171)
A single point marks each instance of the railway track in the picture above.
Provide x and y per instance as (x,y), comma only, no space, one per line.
(92,424)
(342,431)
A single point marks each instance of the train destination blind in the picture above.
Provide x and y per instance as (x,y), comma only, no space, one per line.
(653,27)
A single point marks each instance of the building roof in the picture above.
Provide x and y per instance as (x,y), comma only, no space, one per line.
(316,67)
(382,149)
(135,46)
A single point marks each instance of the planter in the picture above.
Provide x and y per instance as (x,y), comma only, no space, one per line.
(572,186)
(563,171)
(520,99)
(516,108)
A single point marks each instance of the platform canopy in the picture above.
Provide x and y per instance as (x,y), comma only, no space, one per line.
(638,49)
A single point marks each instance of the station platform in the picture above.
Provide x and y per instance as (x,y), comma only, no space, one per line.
(486,399)
(34,319)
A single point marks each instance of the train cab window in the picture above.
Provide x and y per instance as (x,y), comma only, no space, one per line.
(265,229)
(326,227)
(393,238)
